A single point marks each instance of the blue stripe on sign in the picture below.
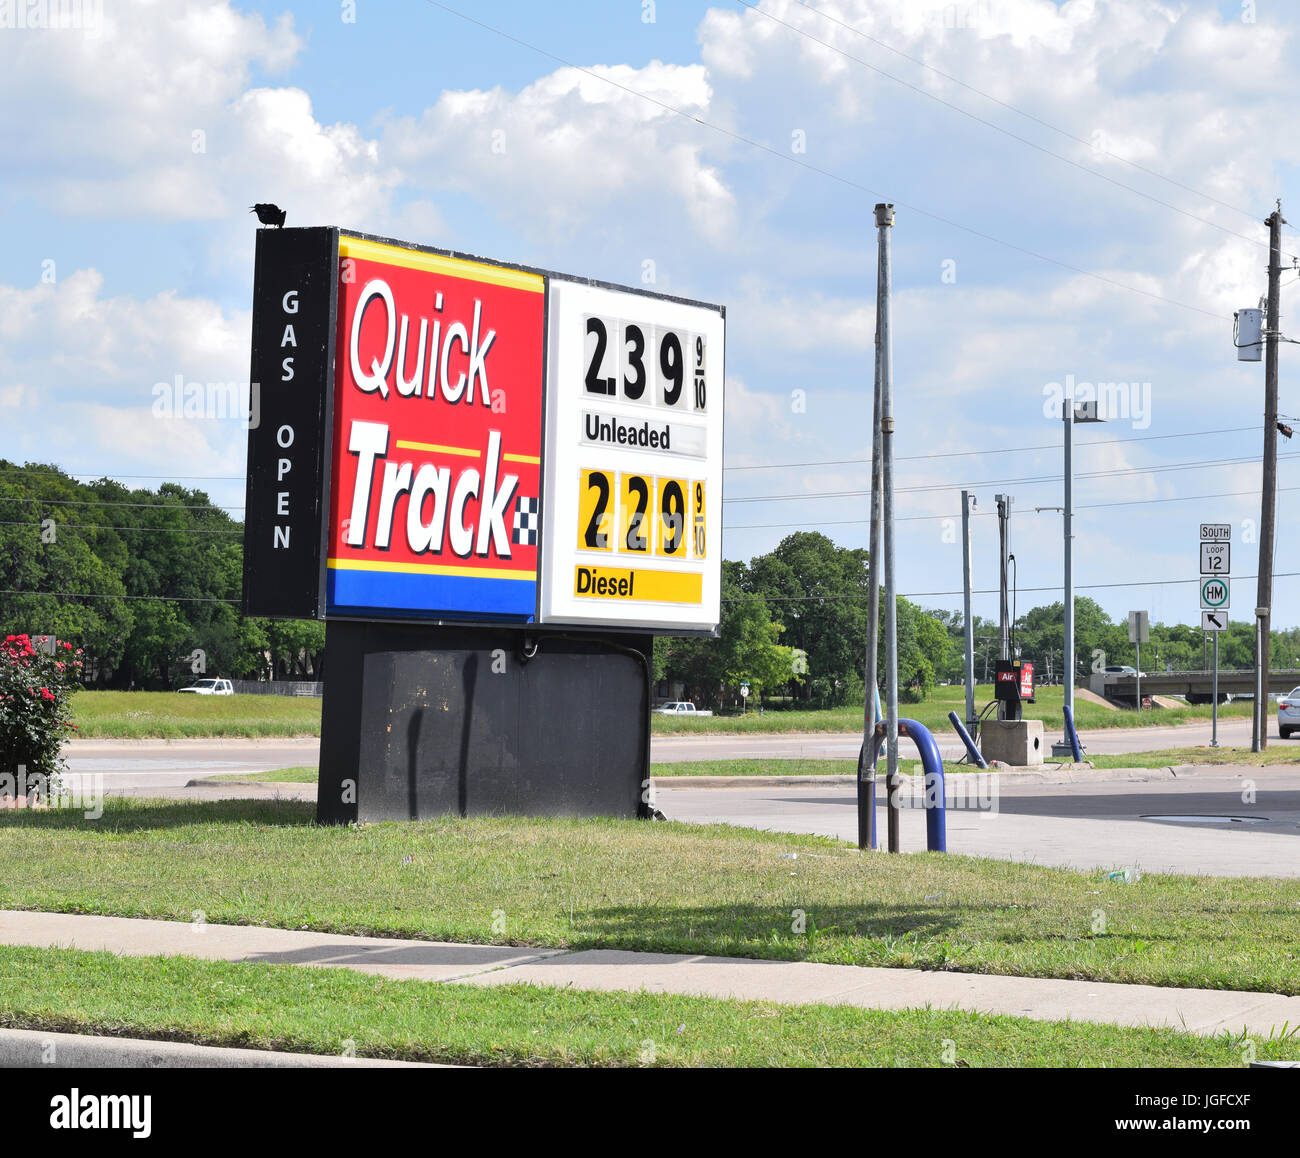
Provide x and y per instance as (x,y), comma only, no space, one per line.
(395,594)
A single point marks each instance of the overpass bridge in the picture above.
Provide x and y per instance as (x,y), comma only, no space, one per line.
(1196,686)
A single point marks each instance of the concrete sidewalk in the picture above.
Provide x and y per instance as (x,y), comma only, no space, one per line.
(1201,1011)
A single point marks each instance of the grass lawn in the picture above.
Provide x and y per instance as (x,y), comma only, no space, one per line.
(275,776)
(328,1011)
(934,715)
(1275,754)
(650,886)
(172,716)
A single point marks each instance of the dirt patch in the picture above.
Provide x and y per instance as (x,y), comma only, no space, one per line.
(1094,698)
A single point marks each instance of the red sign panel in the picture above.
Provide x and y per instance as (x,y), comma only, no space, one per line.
(437,435)
(1026,681)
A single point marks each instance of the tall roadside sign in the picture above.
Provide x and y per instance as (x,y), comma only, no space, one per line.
(1215,586)
(495,484)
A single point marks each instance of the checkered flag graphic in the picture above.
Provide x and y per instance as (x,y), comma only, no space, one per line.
(525,528)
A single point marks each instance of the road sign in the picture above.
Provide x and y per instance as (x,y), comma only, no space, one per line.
(1139,627)
(1214,621)
(1216,558)
(744,690)
(1216,532)
(1215,594)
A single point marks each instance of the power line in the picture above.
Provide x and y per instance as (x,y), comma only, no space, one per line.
(109,476)
(1014,514)
(85,595)
(999,450)
(993,590)
(803,164)
(167,530)
(1032,480)
(999,129)
(57,502)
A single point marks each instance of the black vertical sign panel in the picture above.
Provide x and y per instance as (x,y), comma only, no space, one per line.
(294,303)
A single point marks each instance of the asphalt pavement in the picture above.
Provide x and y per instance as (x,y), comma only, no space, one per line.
(171,763)
(1206,821)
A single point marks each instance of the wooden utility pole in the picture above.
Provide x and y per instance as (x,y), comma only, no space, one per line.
(1268,508)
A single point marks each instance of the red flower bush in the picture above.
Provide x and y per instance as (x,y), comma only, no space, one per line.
(35,696)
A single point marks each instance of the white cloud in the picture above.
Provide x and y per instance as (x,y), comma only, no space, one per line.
(572,148)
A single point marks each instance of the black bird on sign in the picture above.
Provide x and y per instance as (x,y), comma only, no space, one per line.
(268,214)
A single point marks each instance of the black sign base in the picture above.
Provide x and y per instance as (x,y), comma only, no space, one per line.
(423,721)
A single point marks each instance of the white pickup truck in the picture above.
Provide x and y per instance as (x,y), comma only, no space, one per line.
(680,708)
(210,688)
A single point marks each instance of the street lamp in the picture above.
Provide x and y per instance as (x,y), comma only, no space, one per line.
(1070,414)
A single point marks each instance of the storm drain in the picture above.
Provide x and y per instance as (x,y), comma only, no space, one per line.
(1199,819)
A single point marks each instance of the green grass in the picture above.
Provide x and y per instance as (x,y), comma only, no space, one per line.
(934,715)
(275,776)
(172,716)
(330,1011)
(651,886)
(1274,755)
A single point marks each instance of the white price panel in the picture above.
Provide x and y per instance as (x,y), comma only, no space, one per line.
(631,531)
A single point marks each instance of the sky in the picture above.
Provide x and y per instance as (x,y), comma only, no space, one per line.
(1080,191)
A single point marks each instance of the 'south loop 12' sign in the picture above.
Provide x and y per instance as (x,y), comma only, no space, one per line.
(437,435)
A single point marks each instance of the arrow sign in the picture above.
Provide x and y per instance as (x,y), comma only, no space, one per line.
(1214,621)
(1214,594)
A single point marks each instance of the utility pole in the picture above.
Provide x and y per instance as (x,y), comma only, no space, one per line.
(967,502)
(875,571)
(1268,511)
(1004,607)
(884,223)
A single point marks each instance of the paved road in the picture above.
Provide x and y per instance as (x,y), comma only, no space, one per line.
(139,763)
(1085,825)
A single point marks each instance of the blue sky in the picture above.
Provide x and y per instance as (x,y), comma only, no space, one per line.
(128,246)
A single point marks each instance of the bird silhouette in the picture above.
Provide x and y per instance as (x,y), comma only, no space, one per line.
(268,214)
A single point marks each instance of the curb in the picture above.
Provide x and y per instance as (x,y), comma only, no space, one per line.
(1016,776)
(35,1049)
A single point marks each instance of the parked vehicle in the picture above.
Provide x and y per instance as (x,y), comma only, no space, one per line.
(680,708)
(210,688)
(1288,713)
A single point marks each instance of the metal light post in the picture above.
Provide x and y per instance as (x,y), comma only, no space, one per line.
(967,502)
(1070,414)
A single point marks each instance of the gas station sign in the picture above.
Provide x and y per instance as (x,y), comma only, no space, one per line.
(450,439)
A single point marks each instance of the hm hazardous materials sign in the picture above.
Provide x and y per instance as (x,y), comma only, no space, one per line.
(449,439)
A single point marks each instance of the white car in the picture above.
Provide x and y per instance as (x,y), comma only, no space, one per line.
(210,688)
(680,708)
(1288,713)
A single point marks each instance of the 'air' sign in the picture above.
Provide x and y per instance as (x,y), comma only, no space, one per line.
(444,438)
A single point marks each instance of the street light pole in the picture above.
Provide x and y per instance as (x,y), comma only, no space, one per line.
(968,501)
(1067,531)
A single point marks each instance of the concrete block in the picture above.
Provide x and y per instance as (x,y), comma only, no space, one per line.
(1015,742)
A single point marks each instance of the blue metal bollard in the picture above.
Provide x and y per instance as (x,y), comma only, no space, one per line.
(971,750)
(936,825)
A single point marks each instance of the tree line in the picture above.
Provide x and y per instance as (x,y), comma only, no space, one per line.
(148,584)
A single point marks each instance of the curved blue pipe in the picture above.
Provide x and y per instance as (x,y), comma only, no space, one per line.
(972,751)
(936,825)
(1072,735)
